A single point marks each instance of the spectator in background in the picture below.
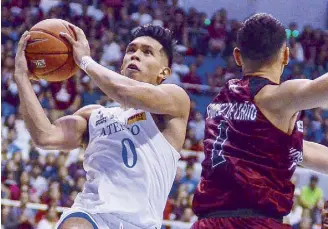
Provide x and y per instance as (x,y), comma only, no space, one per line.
(325,139)
(111,50)
(26,187)
(182,202)
(188,216)
(5,210)
(50,169)
(325,216)
(63,93)
(231,71)
(90,95)
(295,216)
(37,181)
(306,41)
(176,183)
(296,50)
(216,79)
(65,181)
(218,33)
(188,180)
(198,126)
(192,78)
(179,28)
(311,195)
(142,17)
(20,217)
(297,73)
(178,66)
(50,220)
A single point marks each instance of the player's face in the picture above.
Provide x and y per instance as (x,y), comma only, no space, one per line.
(145,61)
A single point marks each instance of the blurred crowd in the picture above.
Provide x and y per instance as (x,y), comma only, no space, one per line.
(202,63)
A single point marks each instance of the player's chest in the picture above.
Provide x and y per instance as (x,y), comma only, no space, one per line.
(116,123)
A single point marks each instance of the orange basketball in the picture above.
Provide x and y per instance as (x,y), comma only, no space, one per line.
(49,56)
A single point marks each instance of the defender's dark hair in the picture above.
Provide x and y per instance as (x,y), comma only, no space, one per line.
(260,38)
(162,35)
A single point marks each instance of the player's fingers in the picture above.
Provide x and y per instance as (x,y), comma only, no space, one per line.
(25,41)
(78,31)
(22,41)
(68,37)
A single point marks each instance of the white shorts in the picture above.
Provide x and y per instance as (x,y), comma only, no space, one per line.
(99,221)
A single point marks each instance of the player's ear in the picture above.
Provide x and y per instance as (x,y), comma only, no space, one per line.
(122,71)
(285,56)
(163,75)
(237,56)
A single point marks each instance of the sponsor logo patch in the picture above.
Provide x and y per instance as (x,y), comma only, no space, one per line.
(137,117)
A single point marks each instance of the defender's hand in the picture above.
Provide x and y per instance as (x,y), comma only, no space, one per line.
(81,46)
(21,69)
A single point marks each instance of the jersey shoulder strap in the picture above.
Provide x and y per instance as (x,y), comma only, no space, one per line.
(257,83)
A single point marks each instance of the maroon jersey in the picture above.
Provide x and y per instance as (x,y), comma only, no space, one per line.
(248,161)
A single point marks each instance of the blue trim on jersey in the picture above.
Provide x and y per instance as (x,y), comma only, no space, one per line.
(82,215)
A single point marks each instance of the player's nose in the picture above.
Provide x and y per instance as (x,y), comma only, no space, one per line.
(136,55)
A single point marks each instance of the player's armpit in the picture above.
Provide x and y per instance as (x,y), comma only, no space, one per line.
(315,156)
(296,95)
(67,133)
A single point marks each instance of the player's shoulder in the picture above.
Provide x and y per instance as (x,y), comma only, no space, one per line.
(178,94)
(86,111)
(175,90)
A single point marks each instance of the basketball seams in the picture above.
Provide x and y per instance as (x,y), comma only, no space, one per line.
(51,34)
(46,73)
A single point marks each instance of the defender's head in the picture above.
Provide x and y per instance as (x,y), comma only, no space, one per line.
(148,57)
(261,42)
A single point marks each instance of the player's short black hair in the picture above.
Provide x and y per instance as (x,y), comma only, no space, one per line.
(162,35)
(260,38)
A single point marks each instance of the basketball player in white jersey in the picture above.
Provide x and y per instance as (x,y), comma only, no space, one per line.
(132,151)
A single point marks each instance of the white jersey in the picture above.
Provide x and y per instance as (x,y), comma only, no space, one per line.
(130,167)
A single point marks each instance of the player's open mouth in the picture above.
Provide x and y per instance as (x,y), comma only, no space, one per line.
(133,67)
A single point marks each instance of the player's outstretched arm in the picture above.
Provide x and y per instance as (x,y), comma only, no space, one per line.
(300,94)
(66,133)
(162,99)
(315,156)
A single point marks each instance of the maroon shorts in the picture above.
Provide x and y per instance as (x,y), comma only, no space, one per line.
(239,223)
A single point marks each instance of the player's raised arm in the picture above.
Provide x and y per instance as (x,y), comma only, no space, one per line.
(144,61)
(299,94)
(315,156)
(66,133)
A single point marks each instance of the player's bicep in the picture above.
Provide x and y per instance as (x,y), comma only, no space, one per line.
(66,133)
(302,94)
(296,95)
(163,99)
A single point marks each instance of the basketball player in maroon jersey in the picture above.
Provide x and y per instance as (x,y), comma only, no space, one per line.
(254,135)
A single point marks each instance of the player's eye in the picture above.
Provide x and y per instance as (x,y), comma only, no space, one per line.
(148,52)
(130,50)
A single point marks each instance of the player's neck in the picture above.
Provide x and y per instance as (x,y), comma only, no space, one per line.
(273,74)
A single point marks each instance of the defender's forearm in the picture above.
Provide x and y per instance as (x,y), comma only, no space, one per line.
(36,120)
